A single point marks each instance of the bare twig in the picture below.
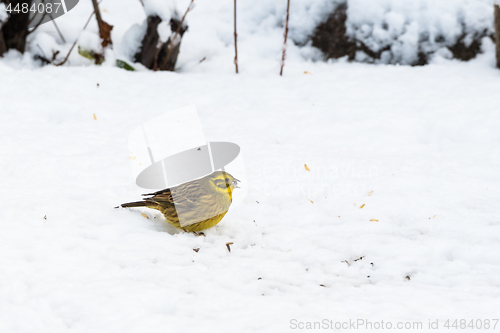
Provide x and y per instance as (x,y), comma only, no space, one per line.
(97,11)
(34,16)
(76,40)
(37,25)
(174,39)
(54,55)
(235,40)
(57,28)
(43,53)
(286,36)
(142,3)
(43,58)
(497,31)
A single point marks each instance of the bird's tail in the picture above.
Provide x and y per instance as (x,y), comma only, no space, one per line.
(135,204)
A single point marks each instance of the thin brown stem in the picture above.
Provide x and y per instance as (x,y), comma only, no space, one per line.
(497,32)
(57,28)
(286,36)
(34,16)
(235,40)
(104,28)
(97,11)
(174,39)
(38,24)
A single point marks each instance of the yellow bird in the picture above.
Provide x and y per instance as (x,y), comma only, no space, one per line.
(201,203)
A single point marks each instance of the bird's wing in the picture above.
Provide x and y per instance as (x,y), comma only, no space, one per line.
(156,193)
(185,196)
(161,197)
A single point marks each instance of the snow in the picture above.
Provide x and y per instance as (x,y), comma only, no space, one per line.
(417,146)
(410,27)
(163,9)
(132,41)
(90,41)
(403,28)
(3,13)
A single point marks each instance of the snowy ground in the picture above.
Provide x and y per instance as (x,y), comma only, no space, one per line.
(419,147)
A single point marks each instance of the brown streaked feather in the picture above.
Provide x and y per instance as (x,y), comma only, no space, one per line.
(134,204)
(164,196)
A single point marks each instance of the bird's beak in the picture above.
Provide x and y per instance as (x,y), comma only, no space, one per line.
(235,183)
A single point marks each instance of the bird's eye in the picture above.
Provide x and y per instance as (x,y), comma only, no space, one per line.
(227,180)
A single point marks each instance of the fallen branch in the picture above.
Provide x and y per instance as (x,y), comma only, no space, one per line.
(286,36)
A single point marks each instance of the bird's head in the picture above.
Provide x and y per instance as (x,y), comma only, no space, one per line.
(222,182)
